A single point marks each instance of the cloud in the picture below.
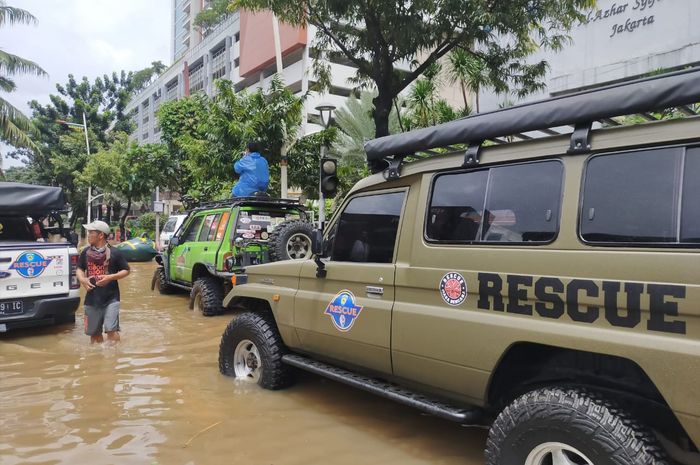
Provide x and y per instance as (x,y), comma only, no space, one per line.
(84,38)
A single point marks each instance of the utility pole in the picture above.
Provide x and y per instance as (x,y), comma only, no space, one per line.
(280,68)
(89,198)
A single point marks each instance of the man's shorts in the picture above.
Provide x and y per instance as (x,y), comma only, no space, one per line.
(98,316)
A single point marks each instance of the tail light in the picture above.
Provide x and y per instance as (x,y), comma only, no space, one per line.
(74,284)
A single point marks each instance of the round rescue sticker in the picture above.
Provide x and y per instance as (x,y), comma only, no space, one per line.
(453,288)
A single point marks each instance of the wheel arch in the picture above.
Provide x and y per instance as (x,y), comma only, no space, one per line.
(526,366)
(199,270)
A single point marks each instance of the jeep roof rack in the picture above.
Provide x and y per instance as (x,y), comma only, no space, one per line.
(253,200)
(550,117)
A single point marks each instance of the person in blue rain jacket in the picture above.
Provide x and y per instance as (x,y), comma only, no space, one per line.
(253,170)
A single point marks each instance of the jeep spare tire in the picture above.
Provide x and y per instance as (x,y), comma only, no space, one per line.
(291,240)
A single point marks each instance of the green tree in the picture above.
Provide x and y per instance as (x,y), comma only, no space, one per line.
(376,34)
(470,72)
(212,16)
(357,127)
(14,126)
(127,170)
(206,135)
(145,77)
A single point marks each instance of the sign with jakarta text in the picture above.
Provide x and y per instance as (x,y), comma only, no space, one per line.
(620,39)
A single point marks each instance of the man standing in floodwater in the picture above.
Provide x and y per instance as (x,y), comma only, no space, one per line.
(254,171)
(99,269)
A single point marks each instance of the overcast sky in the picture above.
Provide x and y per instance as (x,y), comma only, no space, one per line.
(84,38)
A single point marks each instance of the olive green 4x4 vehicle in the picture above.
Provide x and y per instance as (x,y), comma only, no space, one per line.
(218,239)
(545,284)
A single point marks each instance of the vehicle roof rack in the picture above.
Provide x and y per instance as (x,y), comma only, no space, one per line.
(252,200)
(573,114)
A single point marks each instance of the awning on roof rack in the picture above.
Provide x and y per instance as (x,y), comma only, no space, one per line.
(640,96)
(24,199)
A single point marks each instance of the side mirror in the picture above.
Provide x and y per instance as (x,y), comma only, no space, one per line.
(317,249)
(317,242)
(174,241)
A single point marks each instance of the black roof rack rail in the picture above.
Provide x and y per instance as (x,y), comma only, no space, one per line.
(679,90)
(254,200)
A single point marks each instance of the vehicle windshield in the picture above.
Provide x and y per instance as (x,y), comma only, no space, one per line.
(258,224)
(169,226)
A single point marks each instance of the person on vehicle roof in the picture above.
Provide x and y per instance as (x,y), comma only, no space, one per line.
(254,172)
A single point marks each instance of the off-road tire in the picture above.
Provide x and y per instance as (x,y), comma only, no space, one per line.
(279,242)
(160,282)
(578,418)
(211,292)
(260,328)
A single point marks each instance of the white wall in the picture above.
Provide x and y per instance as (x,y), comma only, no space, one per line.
(622,39)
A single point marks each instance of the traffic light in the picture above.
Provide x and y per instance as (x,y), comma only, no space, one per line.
(329,177)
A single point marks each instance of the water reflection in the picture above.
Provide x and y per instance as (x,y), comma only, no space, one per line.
(157,398)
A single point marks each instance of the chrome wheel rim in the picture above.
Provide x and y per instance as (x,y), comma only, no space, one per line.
(556,453)
(246,361)
(299,246)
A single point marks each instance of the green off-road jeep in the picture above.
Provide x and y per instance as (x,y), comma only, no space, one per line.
(539,274)
(218,239)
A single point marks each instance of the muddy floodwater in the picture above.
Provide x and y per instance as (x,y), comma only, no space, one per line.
(158,398)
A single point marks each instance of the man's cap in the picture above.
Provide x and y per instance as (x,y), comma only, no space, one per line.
(97,225)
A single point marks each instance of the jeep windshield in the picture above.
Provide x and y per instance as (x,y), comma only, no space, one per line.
(255,224)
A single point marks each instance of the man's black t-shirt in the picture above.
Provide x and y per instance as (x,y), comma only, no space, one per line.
(110,293)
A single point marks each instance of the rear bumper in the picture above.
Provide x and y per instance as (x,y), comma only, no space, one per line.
(42,312)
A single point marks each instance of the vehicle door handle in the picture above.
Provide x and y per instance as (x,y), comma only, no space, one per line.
(374,290)
(5,260)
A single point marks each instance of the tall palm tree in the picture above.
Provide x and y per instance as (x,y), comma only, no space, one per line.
(469,71)
(14,126)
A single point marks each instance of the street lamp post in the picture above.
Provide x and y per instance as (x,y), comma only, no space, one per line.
(83,126)
(325,110)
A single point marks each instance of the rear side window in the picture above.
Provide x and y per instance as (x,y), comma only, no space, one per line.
(504,204)
(690,219)
(644,197)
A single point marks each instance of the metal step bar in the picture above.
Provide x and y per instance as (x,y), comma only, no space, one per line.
(441,409)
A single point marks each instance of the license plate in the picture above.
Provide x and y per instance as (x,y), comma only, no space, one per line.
(11,307)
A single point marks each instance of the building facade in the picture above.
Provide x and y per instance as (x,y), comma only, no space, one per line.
(240,49)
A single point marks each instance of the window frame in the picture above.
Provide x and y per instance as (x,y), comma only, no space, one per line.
(478,242)
(637,245)
(185,230)
(336,220)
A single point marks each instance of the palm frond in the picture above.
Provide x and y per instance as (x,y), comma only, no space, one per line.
(12,64)
(14,126)
(12,15)
(7,84)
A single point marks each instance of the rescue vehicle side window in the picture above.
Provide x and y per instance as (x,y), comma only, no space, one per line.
(504,204)
(366,230)
(643,197)
(690,219)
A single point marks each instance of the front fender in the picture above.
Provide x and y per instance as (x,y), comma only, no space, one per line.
(280,301)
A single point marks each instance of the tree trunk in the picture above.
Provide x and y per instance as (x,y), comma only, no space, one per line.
(464,95)
(477,99)
(382,109)
(122,220)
